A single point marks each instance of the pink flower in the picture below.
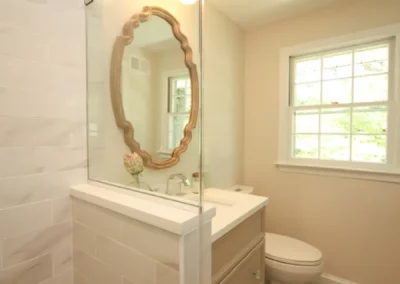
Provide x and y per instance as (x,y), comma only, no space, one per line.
(133,164)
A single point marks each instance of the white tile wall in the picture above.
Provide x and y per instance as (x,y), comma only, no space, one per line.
(42,136)
(35,270)
(63,278)
(62,260)
(33,244)
(102,253)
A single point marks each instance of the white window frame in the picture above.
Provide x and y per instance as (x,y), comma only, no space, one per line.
(163,149)
(388,172)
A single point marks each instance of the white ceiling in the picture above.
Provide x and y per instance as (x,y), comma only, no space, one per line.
(159,30)
(252,13)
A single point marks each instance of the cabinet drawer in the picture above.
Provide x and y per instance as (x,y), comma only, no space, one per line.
(250,270)
(231,245)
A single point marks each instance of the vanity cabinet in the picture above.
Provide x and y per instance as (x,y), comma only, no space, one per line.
(238,256)
(248,271)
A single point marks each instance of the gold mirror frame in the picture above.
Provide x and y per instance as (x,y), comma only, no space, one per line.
(116,96)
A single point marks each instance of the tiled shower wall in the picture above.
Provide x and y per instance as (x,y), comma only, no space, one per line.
(110,248)
(42,136)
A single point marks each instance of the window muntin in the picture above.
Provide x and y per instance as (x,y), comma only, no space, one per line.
(340,102)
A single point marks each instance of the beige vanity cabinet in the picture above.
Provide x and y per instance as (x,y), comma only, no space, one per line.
(238,256)
(250,269)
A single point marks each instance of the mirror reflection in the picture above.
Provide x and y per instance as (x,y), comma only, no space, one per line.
(159,88)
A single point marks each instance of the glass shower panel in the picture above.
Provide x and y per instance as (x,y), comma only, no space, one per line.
(133,57)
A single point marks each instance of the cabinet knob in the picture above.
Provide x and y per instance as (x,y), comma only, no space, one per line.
(257,274)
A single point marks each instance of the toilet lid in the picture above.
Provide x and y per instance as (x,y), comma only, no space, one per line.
(291,251)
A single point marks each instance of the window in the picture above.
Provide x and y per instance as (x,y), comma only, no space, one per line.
(179,104)
(339,106)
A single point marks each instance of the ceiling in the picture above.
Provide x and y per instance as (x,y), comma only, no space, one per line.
(159,29)
(249,14)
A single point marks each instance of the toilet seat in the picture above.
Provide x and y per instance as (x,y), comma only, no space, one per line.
(291,251)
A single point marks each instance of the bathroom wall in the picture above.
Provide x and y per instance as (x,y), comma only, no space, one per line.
(223,98)
(42,136)
(113,249)
(223,94)
(354,222)
(139,109)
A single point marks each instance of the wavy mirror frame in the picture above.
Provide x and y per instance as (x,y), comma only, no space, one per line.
(116,96)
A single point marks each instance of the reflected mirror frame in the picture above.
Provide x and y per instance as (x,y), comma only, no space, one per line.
(115,84)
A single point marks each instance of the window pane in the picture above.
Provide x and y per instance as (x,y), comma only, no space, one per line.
(371,89)
(305,146)
(308,71)
(369,68)
(180,84)
(338,66)
(181,104)
(372,54)
(188,87)
(370,119)
(177,124)
(181,95)
(369,148)
(335,147)
(188,96)
(337,91)
(371,60)
(306,121)
(307,94)
(335,120)
(171,142)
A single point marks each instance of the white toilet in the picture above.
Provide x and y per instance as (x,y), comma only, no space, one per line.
(288,260)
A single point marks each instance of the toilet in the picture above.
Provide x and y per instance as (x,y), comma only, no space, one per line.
(288,260)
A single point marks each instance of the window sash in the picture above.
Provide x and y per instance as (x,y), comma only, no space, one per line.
(390,42)
(172,96)
(351,134)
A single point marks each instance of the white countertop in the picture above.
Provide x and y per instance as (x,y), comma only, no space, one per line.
(228,208)
(238,207)
(169,215)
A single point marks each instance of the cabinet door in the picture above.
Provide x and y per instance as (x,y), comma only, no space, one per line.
(251,270)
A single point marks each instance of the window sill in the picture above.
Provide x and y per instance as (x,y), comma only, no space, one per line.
(375,175)
(164,153)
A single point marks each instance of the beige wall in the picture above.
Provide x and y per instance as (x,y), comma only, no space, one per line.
(223,98)
(113,249)
(355,223)
(138,96)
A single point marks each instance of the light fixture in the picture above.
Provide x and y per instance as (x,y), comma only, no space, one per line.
(188,2)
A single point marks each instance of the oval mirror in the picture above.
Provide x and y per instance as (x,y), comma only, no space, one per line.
(154,87)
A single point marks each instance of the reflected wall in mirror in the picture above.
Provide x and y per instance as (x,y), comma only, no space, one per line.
(154,87)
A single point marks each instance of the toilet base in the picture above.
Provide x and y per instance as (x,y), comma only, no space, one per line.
(283,273)
(277,282)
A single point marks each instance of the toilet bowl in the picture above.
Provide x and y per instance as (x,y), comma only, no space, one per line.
(288,260)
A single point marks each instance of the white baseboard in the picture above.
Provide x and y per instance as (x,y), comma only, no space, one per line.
(330,279)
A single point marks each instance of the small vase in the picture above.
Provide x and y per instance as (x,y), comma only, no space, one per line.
(139,184)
